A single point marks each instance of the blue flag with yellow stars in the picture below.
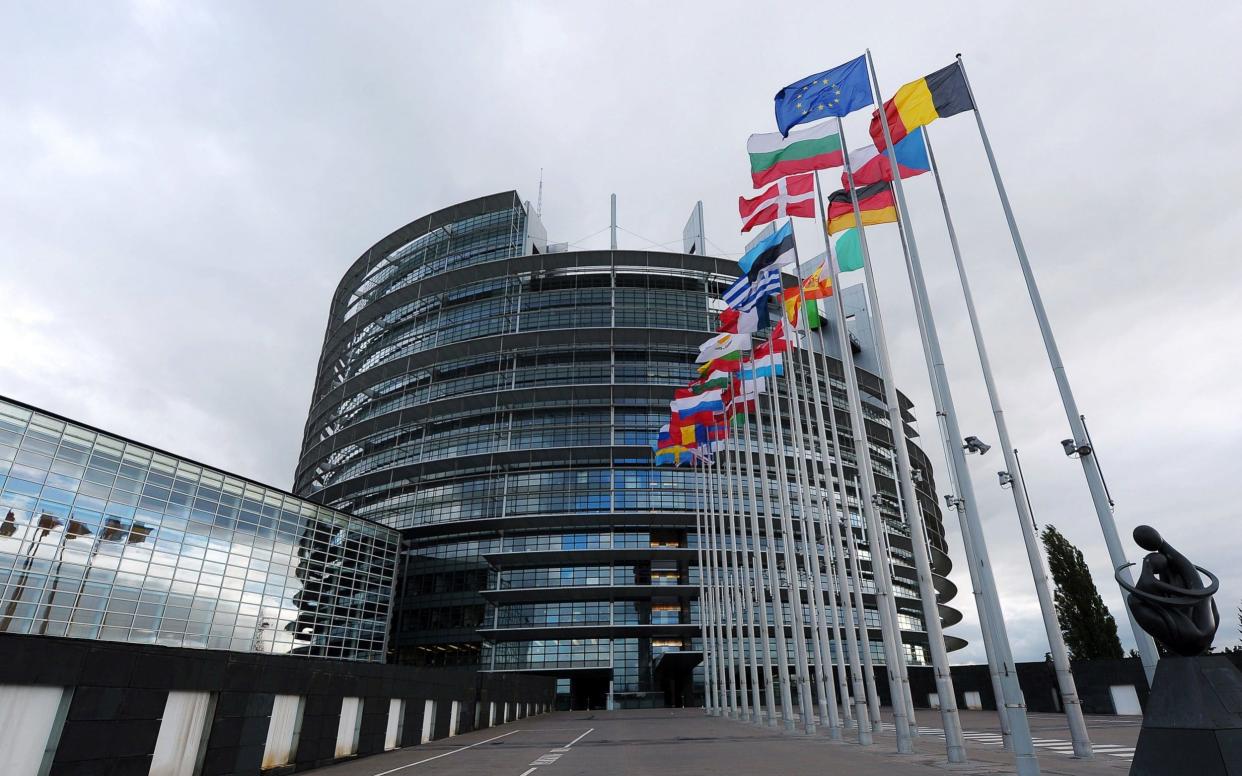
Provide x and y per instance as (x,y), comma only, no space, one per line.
(836,92)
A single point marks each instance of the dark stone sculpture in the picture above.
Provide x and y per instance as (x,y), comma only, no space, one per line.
(1192,723)
(1170,601)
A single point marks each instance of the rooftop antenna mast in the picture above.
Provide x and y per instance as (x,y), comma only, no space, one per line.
(614,222)
(539,203)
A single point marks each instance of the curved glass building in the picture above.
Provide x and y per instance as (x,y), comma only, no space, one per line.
(493,398)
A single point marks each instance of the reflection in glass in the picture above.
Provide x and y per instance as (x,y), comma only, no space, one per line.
(105,539)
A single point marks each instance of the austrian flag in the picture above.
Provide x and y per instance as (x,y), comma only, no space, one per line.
(792,196)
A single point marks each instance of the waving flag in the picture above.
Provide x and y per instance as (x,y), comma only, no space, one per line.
(772,365)
(836,92)
(875,204)
(744,295)
(774,156)
(776,250)
(870,165)
(787,197)
(722,345)
(939,95)
(849,251)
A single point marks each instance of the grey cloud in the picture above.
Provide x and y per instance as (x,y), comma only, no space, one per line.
(184,185)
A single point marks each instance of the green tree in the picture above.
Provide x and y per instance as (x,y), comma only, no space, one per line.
(1089,628)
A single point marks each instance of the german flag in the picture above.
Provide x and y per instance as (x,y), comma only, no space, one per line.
(939,95)
(875,204)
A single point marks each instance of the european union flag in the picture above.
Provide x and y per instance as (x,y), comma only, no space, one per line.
(836,92)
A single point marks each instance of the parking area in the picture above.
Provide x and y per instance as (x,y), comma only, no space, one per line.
(685,742)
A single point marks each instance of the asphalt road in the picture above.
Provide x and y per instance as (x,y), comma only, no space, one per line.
(687,743)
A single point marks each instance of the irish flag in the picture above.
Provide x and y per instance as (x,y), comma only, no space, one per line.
(773,157)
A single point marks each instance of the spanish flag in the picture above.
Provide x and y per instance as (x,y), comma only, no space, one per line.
(875,204)
(939,95)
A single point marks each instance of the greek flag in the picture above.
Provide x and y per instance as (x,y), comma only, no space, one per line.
(744,296)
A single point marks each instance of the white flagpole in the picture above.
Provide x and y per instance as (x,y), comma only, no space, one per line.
(726,588)
(709,679)
(1090,467)
(774,583)
(815,591)
(737,622)
(883,590)
(826,690)
(718,604)
(791,563)
(760,583)
(824,512)
(746,634)
(828,518)
(819,483)
(864,631)
(956,504)
(955,748)
(1024,750)
(1056,641)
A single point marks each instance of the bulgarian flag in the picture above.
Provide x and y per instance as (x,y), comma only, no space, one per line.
(773,157)
(792,196)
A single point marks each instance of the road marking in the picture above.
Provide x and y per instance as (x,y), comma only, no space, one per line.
(579,738)
(527,772)
(446,754)
(1060,746)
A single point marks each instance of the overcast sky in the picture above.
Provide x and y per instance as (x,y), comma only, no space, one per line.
(181,187)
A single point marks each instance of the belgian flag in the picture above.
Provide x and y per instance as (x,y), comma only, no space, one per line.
(936,96)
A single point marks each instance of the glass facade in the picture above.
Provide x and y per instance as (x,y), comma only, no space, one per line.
(103,538)
(495,403)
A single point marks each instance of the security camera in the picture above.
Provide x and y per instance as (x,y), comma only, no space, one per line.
(975,445)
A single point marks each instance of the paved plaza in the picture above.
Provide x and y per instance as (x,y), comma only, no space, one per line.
(684,742)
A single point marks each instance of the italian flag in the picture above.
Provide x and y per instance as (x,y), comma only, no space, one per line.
(773,157)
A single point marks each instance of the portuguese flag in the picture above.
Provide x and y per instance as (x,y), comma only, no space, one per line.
(773,157)
(939,95)
(875,204)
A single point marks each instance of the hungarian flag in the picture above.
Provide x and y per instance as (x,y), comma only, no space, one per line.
(709,382)
(793,196)
(939,95)
(773,157)
(875,204)
(730,362)
(871,165)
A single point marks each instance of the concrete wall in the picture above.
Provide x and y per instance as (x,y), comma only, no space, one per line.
(118,692)
(1093,679)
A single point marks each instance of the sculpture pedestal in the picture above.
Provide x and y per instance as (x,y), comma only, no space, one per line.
(1193,721)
